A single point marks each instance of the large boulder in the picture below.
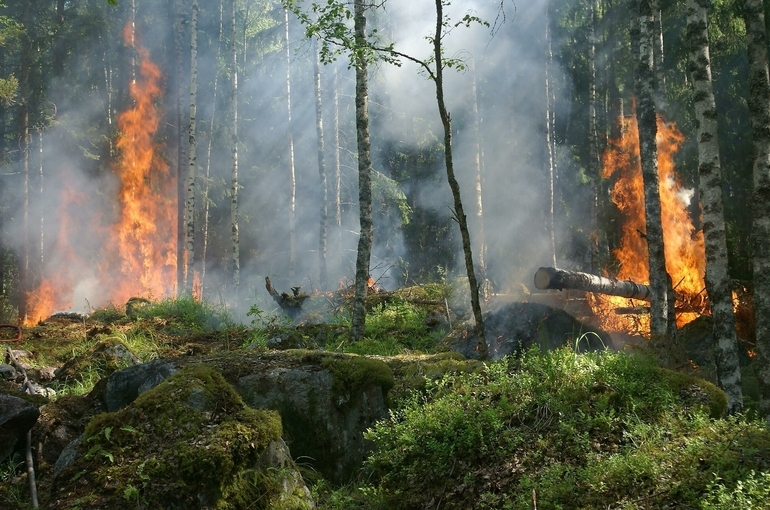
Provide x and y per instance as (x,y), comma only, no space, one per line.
(189,443)
(326,401)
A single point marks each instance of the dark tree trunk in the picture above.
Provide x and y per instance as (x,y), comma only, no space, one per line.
(364,254)
(454,186)
(759,113)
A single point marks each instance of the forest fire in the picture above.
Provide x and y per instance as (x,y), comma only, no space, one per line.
(684,246)
(136,252)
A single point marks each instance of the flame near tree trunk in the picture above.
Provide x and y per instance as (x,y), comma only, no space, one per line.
(684,246)
(136,250)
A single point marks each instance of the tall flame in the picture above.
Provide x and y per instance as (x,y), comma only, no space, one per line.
(683,245)
(136,253)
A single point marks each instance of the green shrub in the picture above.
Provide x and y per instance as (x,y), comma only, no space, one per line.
(750,493)
(570,431)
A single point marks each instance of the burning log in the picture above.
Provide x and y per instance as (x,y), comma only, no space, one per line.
(553,278)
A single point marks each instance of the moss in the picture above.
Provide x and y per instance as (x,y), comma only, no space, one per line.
(188,443)
(412,371)
(352,373)
(696,391)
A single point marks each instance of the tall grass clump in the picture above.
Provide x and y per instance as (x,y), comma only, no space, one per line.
(565,430)
(196,316)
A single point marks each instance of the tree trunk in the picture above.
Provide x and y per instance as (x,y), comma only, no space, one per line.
(657,50)
(207,183)
(479,184)
(319,128)
(364,254)
(710,173)
(453,184)
(181,265)
(192,162)
(594,166)
(290,154)
(41,183)
(235,258)
(559,279)
(337,162)
(759,113)
(549,139)
(24,286)
(647,121)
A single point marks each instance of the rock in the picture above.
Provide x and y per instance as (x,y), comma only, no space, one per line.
(516,327)
(8,373)
(326,401)
(124,386)
(17,416)
(189,443)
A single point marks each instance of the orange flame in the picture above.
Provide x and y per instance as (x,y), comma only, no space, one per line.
(683,245)
(138,249)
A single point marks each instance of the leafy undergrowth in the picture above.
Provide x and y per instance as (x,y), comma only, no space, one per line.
(547,431)
(559,431)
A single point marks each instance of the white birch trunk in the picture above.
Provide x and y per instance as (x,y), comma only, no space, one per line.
(710,188)
(235,258)
(191,152)
(647,121)
(290,154)
(319,126)
(207,182)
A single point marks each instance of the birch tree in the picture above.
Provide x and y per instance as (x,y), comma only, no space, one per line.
(710,187)
(324,212)
(181,264)
(191,152)
(290,152)
(207,180)
(235,259)
(647,122)
(549,135)
(759,113)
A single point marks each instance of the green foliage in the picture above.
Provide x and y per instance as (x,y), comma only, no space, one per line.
(750,493)
(190,315)
(598,429)
(8,87)
(395,327)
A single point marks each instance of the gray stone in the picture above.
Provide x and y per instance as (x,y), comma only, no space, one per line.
(17,416)
(123,386)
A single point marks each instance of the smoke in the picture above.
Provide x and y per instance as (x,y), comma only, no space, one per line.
(507,65)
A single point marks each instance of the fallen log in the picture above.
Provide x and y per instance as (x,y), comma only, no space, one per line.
(553,278)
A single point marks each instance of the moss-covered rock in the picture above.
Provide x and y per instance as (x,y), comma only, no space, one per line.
(188,443)
(326,401)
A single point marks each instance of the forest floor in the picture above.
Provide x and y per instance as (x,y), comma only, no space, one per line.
(554,429)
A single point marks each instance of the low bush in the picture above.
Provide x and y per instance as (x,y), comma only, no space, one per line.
(562,430)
